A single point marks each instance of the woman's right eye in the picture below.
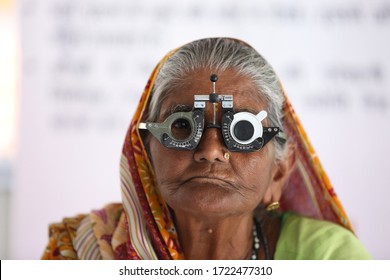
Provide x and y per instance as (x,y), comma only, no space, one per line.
(181,129)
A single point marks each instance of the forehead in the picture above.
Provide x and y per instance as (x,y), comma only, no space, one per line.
(244,91)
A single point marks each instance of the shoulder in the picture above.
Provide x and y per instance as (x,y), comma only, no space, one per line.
(61,236)
(307,238)
(75,238)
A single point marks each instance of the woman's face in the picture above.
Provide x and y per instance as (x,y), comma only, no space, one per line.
(203,181)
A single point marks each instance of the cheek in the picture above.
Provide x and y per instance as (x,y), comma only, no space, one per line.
(167,163)
(157,153)
(256,171)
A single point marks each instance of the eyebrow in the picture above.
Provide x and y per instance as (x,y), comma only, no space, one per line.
(174,108)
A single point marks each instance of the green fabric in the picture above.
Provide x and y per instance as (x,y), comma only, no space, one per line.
(303,238)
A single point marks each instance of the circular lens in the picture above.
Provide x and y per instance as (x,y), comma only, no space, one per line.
(243,130)
(181,129)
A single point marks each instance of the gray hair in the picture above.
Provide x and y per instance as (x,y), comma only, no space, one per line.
(220,54)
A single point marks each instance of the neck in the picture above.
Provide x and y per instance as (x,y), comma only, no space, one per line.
(215,237)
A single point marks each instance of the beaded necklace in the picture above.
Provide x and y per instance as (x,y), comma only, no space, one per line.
(259,236)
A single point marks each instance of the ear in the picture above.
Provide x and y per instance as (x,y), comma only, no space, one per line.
(280,174)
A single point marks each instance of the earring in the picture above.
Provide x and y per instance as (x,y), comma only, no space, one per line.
(273,206)
(226,156)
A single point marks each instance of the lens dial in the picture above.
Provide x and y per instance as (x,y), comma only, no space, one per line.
(185,130)
(239,132)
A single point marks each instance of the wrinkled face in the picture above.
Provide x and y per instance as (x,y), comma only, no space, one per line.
(203,181)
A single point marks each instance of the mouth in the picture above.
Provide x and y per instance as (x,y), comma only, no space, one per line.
(208,180)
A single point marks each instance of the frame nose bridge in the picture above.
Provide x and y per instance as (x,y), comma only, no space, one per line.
(213,115)
(212,137)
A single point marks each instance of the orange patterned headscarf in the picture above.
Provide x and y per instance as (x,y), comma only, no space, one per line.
(150,230)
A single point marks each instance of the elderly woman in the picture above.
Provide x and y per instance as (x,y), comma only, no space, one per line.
(215,165)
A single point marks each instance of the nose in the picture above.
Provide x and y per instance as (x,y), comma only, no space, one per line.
(211,147)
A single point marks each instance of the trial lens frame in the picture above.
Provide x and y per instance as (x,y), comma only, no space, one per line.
(242,132)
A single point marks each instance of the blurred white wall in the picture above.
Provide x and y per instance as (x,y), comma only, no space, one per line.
(84,64)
